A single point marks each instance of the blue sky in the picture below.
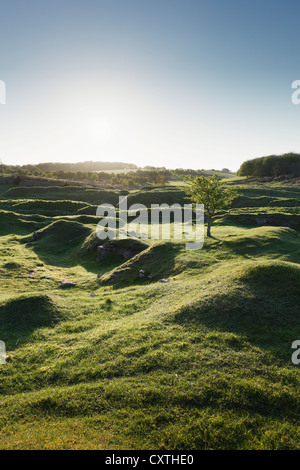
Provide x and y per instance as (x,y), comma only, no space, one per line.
(175,83)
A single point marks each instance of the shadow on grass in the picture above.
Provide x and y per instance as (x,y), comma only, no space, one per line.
(21,316)
(156,262)
(21,224)
(263,308)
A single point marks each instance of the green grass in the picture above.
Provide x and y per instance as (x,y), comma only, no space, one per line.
(200,362)
(68,193)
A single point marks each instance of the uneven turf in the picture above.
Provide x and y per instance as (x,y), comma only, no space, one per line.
(122,362)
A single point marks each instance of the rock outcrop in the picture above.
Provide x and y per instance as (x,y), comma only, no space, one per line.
(125,248)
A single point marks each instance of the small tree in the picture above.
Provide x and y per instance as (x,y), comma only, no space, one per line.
(160,180)
(212,192)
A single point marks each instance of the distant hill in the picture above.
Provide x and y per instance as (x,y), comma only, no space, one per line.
(272,165)
(82,166)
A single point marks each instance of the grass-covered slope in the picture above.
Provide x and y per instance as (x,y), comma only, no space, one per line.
(127,362)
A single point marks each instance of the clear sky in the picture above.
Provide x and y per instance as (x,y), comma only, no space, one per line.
(175,83)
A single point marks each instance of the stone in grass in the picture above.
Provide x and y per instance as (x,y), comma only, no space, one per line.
(115,274)
(164,281)
(34,237)
(31,274)
(125,248)
(67,283)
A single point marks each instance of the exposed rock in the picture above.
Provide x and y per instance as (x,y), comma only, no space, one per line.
(115,274)
(151,260)
(118,247)
(93,246)
(34,237)
(165,280)
(101,252)
(31,274)
(67,283)
(142,273)
(268,220)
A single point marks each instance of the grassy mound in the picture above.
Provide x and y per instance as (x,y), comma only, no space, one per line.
(265,241)
(42,206)
(23,314)
(88,210)
(200,362)
(150,261)
(62,234)
(92,242)
(59,242)
(70,193)
(280,199)
(12,223)
(207,354)
(238,300)
(158,196)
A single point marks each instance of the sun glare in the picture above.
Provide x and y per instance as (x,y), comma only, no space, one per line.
(100,129)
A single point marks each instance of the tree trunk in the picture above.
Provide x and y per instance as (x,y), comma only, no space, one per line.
(208,225)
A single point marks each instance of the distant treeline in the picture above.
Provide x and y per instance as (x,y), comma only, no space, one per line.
(134,178)
(272,165)
(82,166)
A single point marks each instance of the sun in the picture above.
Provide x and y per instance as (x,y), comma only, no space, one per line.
(100,129)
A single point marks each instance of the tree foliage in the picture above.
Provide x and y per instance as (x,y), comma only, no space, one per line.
(272,166)
(212,192)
